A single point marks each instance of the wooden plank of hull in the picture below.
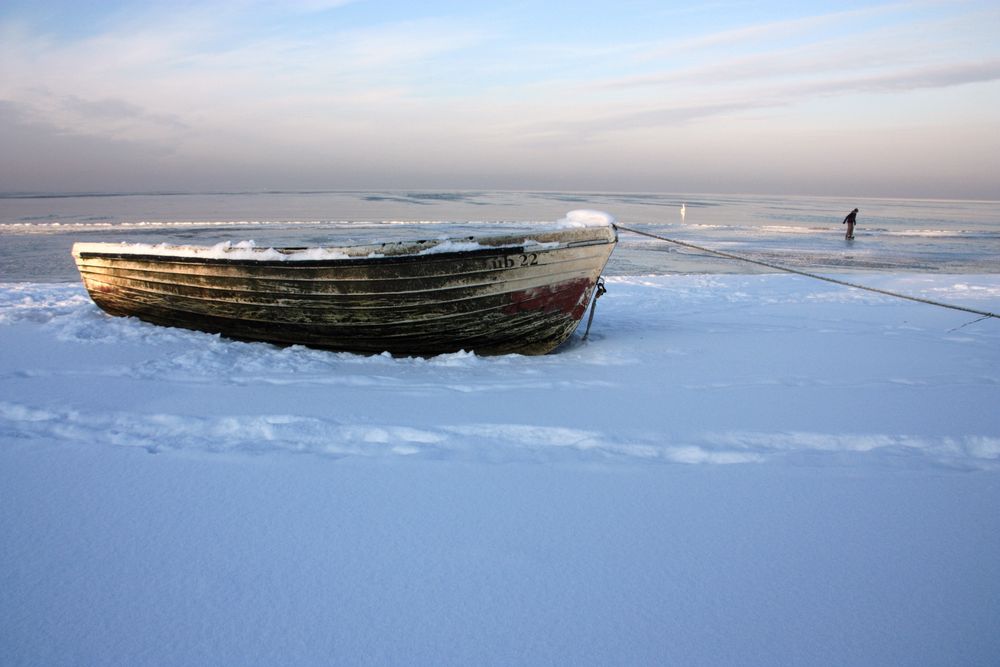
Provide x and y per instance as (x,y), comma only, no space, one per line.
(483,300)
(535,319)
(331,290)
(526,332)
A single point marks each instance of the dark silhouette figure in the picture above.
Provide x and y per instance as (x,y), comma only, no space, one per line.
(850,221)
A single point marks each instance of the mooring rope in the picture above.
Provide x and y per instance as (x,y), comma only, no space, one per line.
(601,289)
(985,314)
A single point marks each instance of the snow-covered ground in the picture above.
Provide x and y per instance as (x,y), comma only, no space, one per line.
(734,469)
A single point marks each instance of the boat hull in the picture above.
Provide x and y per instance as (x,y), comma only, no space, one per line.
(508,295)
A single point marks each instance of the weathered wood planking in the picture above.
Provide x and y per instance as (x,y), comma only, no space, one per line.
(507,294)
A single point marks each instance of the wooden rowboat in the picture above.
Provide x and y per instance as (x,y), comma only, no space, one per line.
(498,294)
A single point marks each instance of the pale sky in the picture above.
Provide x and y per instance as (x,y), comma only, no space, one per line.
(846,98)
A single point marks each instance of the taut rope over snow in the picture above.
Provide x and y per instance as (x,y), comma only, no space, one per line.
(985,314)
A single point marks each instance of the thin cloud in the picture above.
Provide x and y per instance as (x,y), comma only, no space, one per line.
(306,6)
(764,32)
(881,45)
(778,96)
(406,43)
(116,109)
(811,61)
(942,76)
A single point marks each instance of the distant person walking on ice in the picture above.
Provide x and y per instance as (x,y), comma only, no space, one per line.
(850,221)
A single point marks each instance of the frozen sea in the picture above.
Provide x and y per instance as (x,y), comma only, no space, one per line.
(36,231)
(736,468)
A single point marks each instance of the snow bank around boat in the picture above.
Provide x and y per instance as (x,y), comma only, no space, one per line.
(586,218)
(732,468)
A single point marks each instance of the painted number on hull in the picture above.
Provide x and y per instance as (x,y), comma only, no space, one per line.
(511,261)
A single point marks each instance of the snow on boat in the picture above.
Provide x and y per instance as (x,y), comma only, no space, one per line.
(497,294)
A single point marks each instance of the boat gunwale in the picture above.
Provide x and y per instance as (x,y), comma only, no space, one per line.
(87,251)
(148,273)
